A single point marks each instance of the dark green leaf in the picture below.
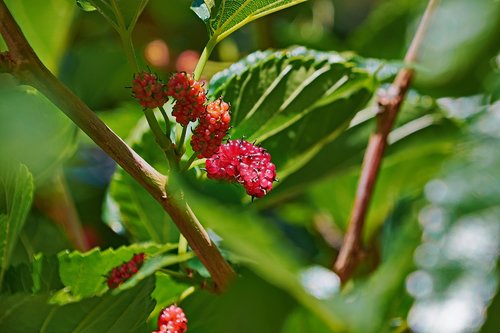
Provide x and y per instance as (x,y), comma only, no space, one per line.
(16,188)
(299,99)
(263,309)
(125,312)
(230,15)
(340,156)
(41,276)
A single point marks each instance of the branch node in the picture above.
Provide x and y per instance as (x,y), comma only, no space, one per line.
(8,64)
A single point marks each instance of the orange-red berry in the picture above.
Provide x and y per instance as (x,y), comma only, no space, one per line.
(211,129)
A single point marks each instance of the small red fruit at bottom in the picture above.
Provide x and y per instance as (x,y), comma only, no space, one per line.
(172,320)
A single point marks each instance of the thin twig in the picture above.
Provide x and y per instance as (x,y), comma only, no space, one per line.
(389,104)
(29,70)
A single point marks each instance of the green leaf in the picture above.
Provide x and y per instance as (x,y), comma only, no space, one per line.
(230,15)
(167,291)
(125,312)
(83,274)
(419,124)
(300,99)
(41,276)
(46,25)
(16,194)
(301,320)
(85,5)
(34,131)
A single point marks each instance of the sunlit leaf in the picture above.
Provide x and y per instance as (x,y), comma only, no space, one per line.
(299,99)
(226,16)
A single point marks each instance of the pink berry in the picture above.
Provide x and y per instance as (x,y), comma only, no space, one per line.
(245,163)
(211,129)
(190,96)
(149,90)
(172,320)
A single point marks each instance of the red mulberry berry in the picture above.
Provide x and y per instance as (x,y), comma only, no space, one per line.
(212,129)
(172,320)
(149,90)
(125,271)
(245,163)
(190,98)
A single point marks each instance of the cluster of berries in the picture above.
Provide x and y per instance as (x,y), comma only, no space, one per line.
(125,271)
(190,106)
(237,160)
(172,320)
(245,163)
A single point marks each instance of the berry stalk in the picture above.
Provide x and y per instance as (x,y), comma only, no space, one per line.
(162,140)
(204,58)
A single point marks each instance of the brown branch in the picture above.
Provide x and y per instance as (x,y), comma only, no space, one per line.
(389,104)
(27,67)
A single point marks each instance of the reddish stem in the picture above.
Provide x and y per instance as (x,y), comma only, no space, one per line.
(389,104)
